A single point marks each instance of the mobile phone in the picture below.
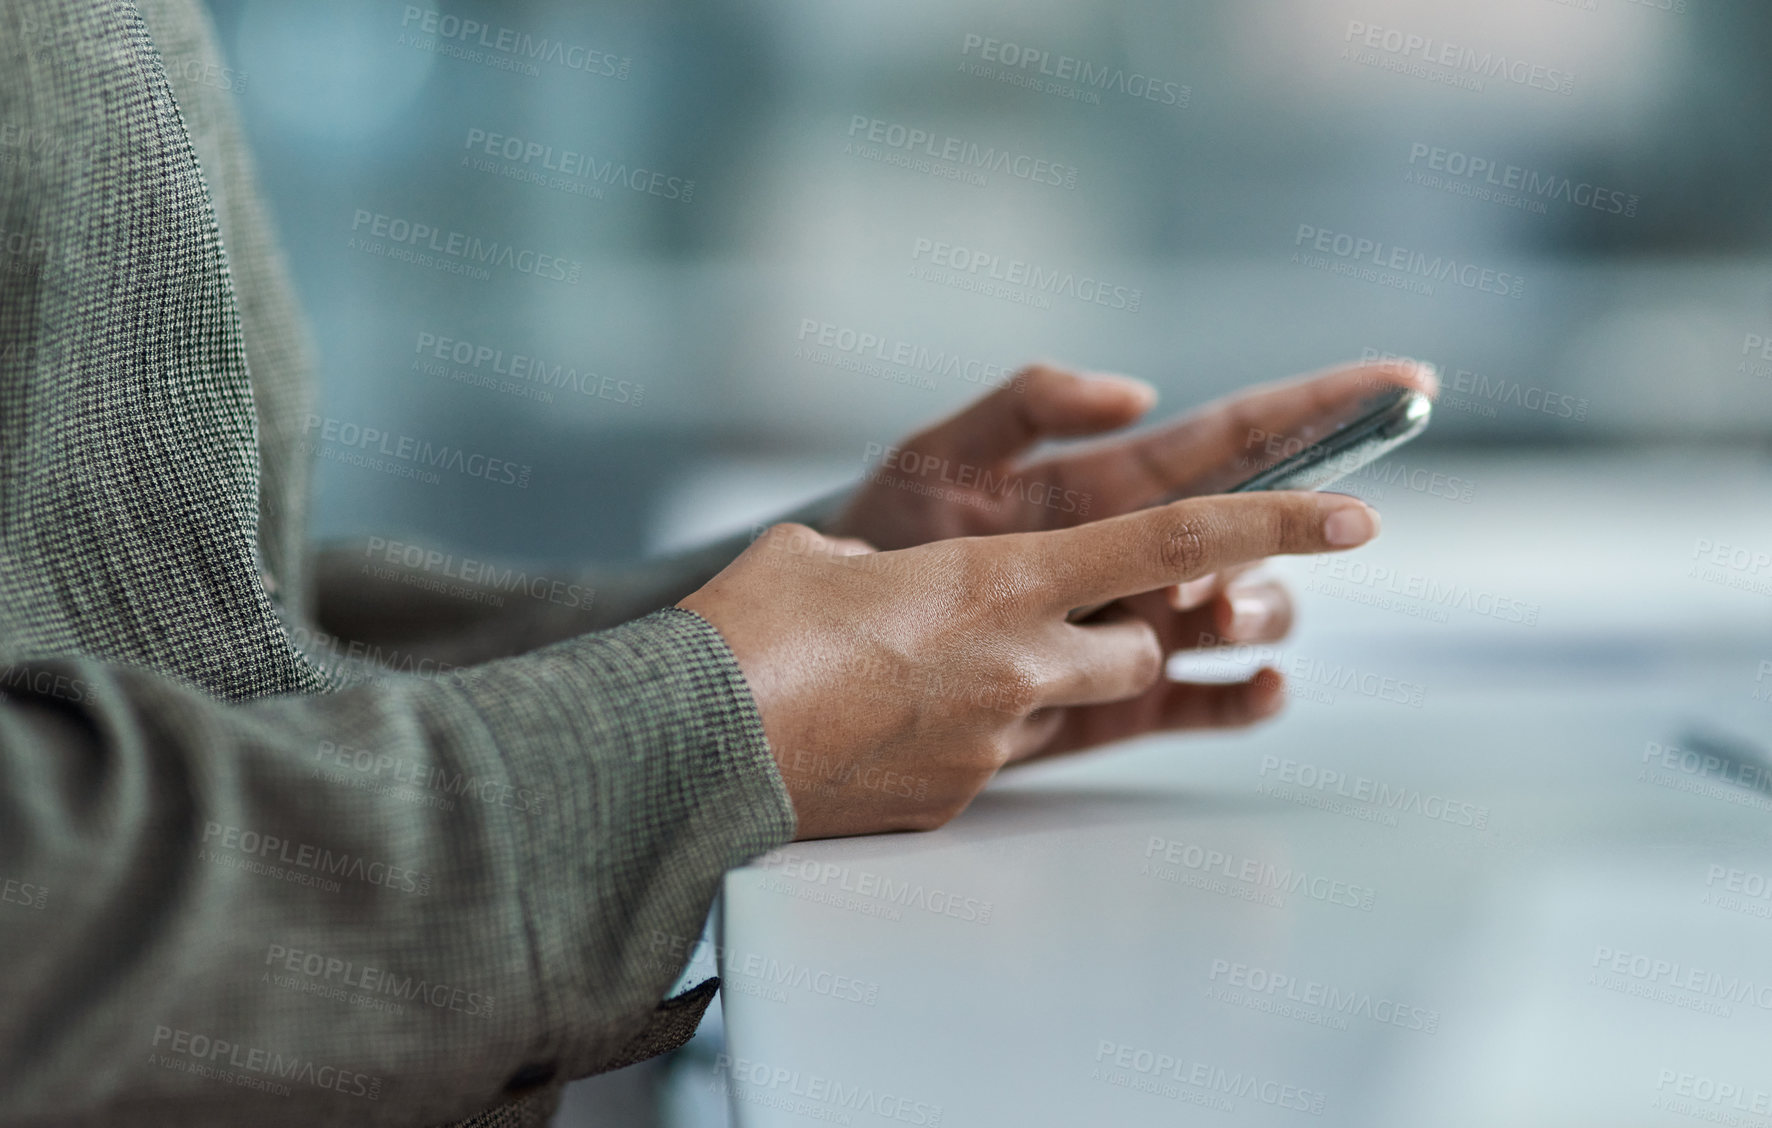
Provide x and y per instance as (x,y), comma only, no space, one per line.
(1330,448)
(1350,439)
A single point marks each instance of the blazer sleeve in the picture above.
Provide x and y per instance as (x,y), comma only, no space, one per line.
(397,903)
(408,606)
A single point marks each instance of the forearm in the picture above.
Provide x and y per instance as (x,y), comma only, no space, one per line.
(250,875)
(376,602)
(402,606)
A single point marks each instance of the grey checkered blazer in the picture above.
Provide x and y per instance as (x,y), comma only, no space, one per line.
(246,879)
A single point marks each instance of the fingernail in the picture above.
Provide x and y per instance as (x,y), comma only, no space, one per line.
(1249,614)
(1145,390)
(1350,525)
(1186,597)
(1432,373)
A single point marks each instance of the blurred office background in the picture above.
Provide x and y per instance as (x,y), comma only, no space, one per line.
(703,303)
(1627,196)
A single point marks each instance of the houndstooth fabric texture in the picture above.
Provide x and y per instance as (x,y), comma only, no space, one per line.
(155,715)
(127,422)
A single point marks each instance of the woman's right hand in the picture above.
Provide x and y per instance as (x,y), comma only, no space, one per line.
(893,685)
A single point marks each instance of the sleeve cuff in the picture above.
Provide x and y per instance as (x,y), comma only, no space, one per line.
(645,749)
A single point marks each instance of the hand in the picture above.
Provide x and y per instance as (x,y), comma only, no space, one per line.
(969,475)
(893,685)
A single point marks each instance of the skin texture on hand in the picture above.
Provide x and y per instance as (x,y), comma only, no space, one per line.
(893,685)
(980,457)
(987,480)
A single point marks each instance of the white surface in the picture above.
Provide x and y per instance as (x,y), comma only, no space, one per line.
(1496,931)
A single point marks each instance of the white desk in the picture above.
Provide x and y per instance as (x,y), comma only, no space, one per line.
(1581,957)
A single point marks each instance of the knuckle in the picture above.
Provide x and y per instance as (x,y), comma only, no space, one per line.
(1002,749)
(1047,377)
(1182,548)
(1019,687)
(788,536)
(1000,580)
(999,752)
(918,445)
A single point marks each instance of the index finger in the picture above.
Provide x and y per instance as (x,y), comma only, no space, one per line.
(1199,454)
(1106,560)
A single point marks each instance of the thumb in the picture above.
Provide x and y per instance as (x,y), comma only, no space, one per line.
(803,540)
(849,546)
